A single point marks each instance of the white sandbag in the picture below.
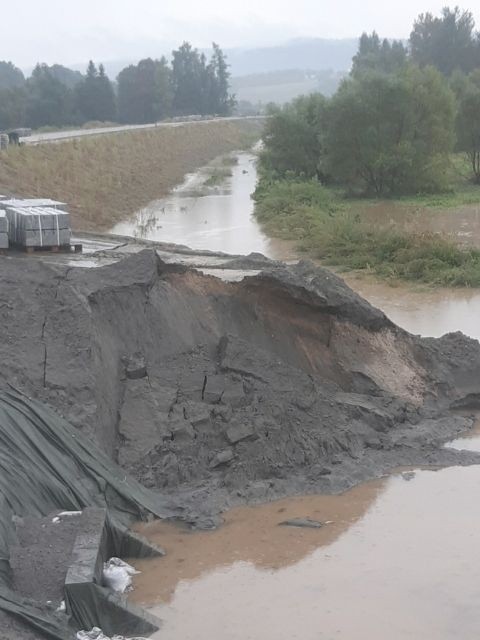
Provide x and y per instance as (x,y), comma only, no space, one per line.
(117,575)
(97,634)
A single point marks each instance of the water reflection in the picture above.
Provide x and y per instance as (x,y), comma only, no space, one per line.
(249,534)
(427,312)
(407,565)
(219,219)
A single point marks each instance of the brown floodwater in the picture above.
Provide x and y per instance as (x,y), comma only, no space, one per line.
(396,558)
(422,311)
(218,218)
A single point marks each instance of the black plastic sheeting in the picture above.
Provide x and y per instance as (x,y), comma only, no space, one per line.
(45,465)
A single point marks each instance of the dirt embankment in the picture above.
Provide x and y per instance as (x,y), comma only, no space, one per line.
(219,393)
(105,179)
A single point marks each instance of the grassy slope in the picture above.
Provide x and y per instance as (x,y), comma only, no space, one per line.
(329,228)
(105,179)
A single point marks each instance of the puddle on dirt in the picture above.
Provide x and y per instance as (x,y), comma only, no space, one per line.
(400,559)
(219,218)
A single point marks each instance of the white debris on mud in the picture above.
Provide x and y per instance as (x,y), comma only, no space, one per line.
(97,634)
(117,575)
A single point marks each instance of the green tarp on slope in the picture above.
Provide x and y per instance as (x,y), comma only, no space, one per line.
(46,464)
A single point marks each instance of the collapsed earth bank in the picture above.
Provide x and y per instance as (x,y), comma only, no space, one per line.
(218,392)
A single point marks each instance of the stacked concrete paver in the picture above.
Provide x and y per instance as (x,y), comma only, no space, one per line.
(3,230)
(38,226)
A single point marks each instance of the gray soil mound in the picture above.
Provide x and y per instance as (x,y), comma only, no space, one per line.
(218,392)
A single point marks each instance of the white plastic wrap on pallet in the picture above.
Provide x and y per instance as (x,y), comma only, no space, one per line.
(34,218)
(3,222)
(44,238)
(38,227)
(33,202)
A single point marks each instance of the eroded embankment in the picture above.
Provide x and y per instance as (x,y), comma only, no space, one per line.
(108,178)
(221,392)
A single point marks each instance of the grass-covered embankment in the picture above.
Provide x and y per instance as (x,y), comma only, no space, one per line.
(328,227)
(105,179)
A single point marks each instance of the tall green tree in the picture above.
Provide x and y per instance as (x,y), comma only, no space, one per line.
(294,138)
(13,108)
(94,96)
(468,122)
(188,79)
(66,76)
(378,55)
(200,86)
(48,101)
(448,42)
(221,101)
(10,76)
(392,134)
(145,91)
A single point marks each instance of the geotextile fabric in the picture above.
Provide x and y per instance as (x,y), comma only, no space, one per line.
(45,465)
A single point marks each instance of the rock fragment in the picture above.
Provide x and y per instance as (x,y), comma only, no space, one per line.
(304,523)
(224,457)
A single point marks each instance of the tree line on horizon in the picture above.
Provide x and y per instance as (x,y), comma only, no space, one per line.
(394,122)
(143,93)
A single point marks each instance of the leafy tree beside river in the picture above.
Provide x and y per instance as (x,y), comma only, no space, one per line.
(398,127)
(380,134)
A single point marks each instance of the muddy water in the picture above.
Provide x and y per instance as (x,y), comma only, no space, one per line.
(397,558)
(217,218)
(425,312)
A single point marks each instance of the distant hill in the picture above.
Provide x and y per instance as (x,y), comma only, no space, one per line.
(315,54)
(282,86)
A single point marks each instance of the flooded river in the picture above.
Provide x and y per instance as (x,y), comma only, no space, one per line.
(218,218)
(395,558)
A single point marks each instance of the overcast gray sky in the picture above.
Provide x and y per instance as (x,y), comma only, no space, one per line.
(72,31)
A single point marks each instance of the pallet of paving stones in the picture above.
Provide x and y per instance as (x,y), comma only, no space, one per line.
(4,243)
(38,227)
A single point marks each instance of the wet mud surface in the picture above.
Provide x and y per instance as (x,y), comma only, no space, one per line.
(221,393)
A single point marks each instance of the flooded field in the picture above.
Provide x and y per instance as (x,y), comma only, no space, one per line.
(461,224)
(395,558)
